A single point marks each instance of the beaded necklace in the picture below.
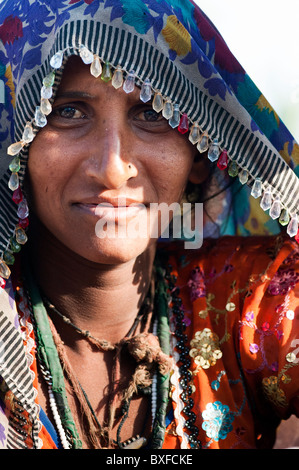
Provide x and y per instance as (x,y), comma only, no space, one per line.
(186,426)
(165,294)
(184,361)
(53,373)
(51,369)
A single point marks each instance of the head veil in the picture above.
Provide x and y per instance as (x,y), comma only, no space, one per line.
(169,49)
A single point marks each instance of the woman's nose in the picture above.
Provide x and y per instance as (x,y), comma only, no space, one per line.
(111,163)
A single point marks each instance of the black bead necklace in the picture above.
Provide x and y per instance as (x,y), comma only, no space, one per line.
(184,360)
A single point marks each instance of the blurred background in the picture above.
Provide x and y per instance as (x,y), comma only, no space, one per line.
(264,37)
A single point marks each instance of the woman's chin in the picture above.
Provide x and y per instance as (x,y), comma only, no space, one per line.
(114,251)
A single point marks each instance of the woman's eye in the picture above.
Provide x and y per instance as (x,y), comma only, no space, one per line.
(148,120)
(69,112)
(148,115)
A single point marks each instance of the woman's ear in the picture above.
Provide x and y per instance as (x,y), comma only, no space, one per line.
(200,169)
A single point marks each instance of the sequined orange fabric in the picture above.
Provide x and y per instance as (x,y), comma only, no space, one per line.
(241,303)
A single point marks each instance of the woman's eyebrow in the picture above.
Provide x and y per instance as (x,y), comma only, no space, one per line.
(75,94)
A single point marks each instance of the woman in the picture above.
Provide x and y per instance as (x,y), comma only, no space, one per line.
(108,338)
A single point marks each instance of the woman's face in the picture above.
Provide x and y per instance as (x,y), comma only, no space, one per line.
(103,146)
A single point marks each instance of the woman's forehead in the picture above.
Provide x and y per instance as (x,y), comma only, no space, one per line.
(78,82)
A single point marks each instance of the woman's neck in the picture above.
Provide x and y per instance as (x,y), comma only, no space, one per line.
(101,298)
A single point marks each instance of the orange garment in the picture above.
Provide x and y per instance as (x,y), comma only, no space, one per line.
(241,302)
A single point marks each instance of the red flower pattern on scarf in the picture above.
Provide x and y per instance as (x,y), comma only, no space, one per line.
(11,29)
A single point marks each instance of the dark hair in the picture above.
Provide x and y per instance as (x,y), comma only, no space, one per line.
(198,193)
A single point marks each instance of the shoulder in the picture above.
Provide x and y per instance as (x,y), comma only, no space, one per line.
(254,252)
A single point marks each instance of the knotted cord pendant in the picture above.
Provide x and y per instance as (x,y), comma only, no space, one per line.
(143,347)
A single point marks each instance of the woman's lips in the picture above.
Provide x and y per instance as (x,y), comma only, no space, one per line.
(118,213)
(112,212)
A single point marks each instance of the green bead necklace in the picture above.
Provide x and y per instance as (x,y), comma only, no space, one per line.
(51,365)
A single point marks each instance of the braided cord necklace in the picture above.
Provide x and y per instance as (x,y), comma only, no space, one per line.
(161,308)
(52,370)
(50,363)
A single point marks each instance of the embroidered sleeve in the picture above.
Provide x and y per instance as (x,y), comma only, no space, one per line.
(269,339)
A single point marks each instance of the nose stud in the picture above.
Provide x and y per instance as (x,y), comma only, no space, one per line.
(132,170)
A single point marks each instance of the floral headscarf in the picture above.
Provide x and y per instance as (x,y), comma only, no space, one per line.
(171,50)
